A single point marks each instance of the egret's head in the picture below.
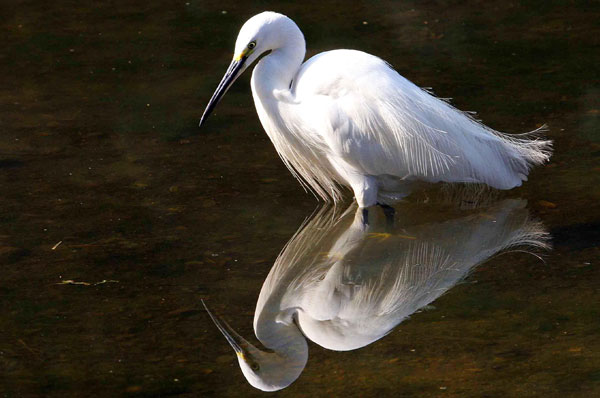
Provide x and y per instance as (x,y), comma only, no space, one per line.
(265,370)
(261,34)
(269,371)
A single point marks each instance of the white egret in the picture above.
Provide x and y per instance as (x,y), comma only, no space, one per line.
(344,287)
(346,118)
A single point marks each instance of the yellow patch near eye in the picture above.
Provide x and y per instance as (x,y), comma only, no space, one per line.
(245,52)
(240,56)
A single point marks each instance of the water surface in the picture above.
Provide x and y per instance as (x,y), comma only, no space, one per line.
(107,180)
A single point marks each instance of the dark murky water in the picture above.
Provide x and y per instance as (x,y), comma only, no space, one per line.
(107,180)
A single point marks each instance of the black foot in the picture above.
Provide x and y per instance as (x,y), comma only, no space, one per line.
(389,212)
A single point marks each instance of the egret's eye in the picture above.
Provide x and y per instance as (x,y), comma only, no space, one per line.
(255,367)
(251,45)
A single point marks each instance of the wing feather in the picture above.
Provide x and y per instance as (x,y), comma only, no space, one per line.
(366,114)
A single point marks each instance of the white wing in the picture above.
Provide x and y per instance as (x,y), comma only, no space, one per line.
(379,123)
(382,282)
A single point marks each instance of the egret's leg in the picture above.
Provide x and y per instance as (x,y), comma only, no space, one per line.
(365,217)
(365,187)
(365,190)
(389,212)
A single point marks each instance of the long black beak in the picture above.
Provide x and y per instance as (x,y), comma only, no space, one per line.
(237,342)
(231,75)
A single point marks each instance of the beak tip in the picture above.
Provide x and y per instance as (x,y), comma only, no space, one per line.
(230,76)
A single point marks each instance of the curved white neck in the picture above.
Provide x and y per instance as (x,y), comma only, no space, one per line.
(277,70)
(277,331)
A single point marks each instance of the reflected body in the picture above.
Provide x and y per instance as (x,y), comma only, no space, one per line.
(346,118)
(343,286)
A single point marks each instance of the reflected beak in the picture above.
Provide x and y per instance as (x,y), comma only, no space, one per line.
(231,75)
(235,340)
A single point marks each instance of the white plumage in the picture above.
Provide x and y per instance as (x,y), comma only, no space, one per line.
(346,118)
(344,287)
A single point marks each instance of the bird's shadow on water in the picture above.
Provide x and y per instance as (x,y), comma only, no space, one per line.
(344,284)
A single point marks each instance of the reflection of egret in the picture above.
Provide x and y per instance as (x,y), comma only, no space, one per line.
(346,117)
(343,287)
